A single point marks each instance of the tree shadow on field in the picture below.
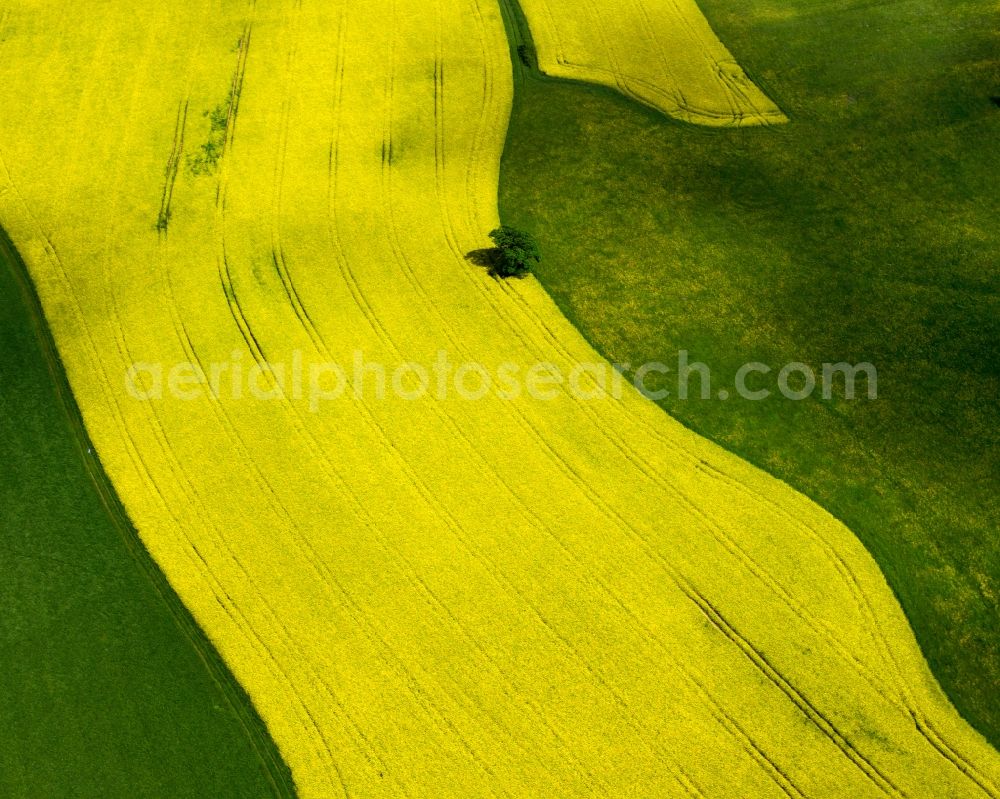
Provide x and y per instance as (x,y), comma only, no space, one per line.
(488,258)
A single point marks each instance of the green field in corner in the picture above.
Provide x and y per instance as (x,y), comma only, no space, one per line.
(107,689)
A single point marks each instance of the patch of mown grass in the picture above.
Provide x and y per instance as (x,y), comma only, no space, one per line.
(865,230)
(109,688)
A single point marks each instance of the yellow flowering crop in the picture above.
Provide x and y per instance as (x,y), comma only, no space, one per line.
(659,52)
(423,596)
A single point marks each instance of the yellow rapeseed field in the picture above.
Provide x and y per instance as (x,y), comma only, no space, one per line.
(660,52)
(545,596)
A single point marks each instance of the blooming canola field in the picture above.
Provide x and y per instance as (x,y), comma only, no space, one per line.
(662,53)
(423,596)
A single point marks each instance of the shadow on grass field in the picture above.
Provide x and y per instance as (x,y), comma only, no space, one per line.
(865,230)
(109,689)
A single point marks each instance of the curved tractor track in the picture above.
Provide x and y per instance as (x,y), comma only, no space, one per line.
(431,596)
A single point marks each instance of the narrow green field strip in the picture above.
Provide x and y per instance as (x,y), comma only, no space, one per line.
(863,231)
(108,688)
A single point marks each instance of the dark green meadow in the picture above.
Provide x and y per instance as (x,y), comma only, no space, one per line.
(868,229)
(107,687)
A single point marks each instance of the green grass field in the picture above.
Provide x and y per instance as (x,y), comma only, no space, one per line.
(865,230)
(108,687)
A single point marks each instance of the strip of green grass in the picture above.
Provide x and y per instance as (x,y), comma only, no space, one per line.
(866,230)
(107,687)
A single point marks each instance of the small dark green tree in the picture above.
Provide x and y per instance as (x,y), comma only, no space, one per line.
(515,251)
